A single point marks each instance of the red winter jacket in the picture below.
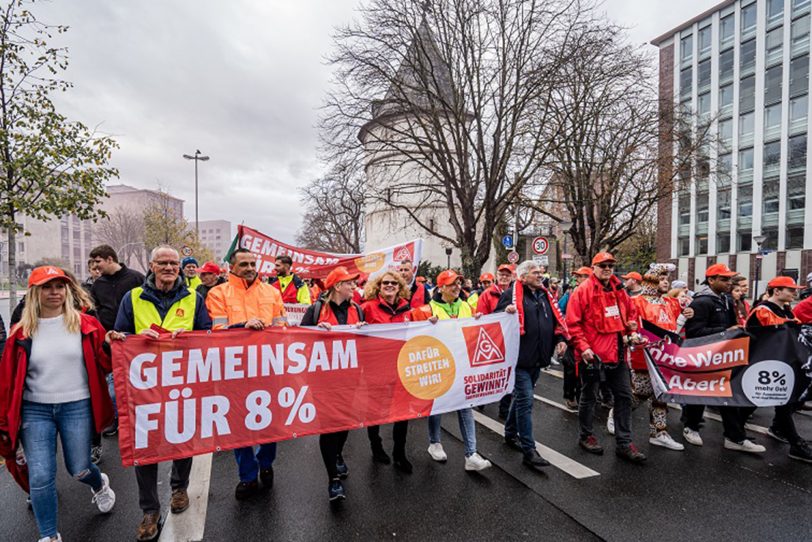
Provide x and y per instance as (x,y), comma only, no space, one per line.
(595,316)
(803,311)
(14,369)
(488,299)
(378,311)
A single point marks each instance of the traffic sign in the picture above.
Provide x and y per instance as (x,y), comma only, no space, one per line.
(507,241)
(542,260)
(566,256)
(186,250)
(513,256)
(540,245)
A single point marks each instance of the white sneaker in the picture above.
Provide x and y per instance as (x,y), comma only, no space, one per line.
(692,437)
(664,439)
(437,453)
(58,538)
(104,498)
(610,422)
(477,462)
(746,446)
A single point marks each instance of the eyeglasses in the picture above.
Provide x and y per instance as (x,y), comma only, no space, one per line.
(606,265)
(167,264)
(389,283)
(484,282)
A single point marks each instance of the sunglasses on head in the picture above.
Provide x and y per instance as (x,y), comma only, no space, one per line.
(606,265)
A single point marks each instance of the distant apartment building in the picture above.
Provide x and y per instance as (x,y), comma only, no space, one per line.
(744,66)
(216,235)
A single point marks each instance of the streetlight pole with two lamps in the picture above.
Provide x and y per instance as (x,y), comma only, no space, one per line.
(198,157)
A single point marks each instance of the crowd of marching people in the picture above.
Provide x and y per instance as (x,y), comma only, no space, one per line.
(55,372)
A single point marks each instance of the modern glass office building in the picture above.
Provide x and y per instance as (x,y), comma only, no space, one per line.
(743,66)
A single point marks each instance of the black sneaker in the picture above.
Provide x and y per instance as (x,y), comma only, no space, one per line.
(111,430)
(514,442)
(266,477)
(335,490)
(246,490)
(341,468)
(778,435)
(402,464)
(801,451)
(380,456)
(533,460)
(630,453)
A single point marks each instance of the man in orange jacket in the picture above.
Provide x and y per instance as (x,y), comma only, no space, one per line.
(245,301)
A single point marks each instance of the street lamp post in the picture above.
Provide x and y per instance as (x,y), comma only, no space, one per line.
(198,157)
(565,229)
(448,257)
(759,239)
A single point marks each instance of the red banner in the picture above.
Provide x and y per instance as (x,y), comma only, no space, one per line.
(314,264)
(204,392)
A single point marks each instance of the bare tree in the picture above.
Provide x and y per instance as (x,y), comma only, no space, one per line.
(165,225)
(458,90)
(607,131)
(334,206)
(123,229)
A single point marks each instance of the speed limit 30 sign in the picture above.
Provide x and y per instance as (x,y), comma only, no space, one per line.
(540,245)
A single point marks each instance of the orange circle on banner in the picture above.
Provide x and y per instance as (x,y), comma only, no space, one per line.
(426,367)
(370,262)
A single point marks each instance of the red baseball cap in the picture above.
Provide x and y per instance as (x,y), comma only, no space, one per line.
(583,271)
(719,270)
(783,282)
(449,276)
(46,273)
(339,274)
(602,257)
(633,275)
(209,267)
(486,276)
(505,267)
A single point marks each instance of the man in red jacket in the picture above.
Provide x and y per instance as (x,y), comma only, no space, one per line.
(602,321)
(489,297)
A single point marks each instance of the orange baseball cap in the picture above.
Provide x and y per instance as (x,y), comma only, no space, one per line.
(449,276)
(209,267)
(339,274)
(45,273)
(602,257)
(719,270)
(633,275)
(583,271)
(486,276)
(783,282)
(505,267)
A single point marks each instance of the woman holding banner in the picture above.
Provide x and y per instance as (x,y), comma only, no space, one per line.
(52,382)
(387,303)
(335,308)
(445,304)
(774,312)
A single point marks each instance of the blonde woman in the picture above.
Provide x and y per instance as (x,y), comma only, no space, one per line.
(52,382)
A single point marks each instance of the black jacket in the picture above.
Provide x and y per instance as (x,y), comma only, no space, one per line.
(712,314)
(537,345)
(204,290)
(109,290)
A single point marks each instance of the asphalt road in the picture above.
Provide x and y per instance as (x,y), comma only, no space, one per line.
(703,493)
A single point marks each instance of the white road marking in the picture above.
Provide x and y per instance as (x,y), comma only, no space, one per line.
(554,372)
(550,402)
(189,525)
(558,460)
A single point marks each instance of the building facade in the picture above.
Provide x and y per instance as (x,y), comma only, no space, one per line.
(216,235)
(742,68)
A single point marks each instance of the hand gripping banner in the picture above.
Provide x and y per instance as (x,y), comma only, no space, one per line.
(209,391)
(314,264)
(766,367)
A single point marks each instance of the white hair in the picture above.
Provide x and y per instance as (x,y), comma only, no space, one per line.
(525,267)
(157,249)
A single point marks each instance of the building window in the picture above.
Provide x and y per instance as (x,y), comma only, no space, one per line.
(795,237)
(775,9)
(684,246)
(687,47)
(702,207)
(723,204)
(772,155)
(796,195)
(745,240)
(772,85)
(745,201)
(702,244)
(747,57)
(685,82)
(797,152)
(772,118)
(798,111)
(724,167)
(704,104)
(746,125)
(726,130)
(723,242)
(684,209)
(748,21)
(726,65)
(704,43)
(726,29)
(747,94)
(800,33)
(773,44)
(799,5)
(746,160)
(799,75)
(703,71)
(770,198)
(726,96)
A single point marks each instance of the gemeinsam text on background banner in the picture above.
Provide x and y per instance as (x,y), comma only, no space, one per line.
(209,391)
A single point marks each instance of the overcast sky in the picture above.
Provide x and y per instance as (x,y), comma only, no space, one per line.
(241,80)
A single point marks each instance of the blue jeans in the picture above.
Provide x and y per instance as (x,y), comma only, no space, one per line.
(112,391)
(249,463)
(467,429)
(40,425)
(520,417)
